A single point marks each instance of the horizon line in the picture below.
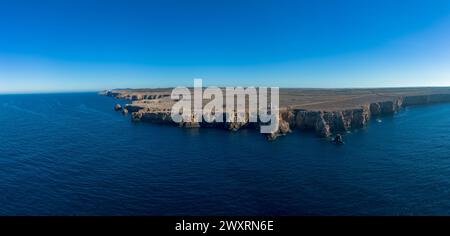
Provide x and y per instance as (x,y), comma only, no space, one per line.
(24,92)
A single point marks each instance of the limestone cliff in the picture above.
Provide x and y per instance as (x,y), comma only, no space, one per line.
(155,107)
(326,123)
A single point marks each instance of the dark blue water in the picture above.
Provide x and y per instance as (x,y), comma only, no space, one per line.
(71,154)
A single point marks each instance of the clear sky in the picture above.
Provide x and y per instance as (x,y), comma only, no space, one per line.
(91,45)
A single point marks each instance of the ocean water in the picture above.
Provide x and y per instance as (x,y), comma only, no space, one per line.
(71,154)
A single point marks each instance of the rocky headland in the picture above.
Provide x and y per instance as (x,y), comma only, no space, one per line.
(327,112)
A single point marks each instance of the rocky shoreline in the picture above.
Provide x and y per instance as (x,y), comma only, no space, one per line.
(351,112)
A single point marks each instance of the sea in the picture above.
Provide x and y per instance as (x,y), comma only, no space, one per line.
(72,154)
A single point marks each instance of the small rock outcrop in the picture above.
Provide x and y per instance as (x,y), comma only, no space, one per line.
(118,107)
(338,139)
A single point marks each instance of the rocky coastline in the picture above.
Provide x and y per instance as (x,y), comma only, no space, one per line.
(155,107)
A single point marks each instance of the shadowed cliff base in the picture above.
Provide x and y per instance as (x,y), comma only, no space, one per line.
(327,112)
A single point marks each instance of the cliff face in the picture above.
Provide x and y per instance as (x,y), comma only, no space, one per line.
(426,99)
(324,123)
(327,123)
(153,117)
(156,108)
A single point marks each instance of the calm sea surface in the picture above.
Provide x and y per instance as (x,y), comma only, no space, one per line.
(71,154)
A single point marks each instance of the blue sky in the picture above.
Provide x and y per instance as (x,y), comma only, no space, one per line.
(92,45)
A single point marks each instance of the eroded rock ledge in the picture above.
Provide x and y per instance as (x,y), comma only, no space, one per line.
(326,112)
